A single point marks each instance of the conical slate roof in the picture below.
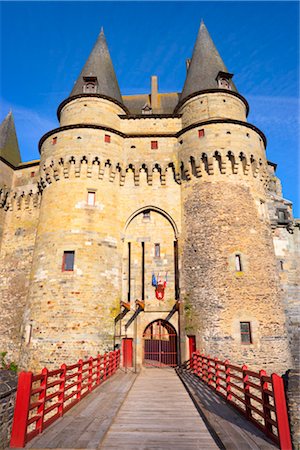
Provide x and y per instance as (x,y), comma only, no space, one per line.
(9,147)
(99,65)
(205,65)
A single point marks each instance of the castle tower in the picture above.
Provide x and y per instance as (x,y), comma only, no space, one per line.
(75,278)
(230,289)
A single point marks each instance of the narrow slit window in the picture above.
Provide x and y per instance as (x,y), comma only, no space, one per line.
(154,145)
(91,197)
(246,337)
(146,214)
(54,140)
(238,263)
(68,261)
(107,138)
(281,265)
(157,250)
(201,133)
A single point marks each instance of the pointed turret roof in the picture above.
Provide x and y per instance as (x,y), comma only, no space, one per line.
(205,65)
(9,147)
(99,65)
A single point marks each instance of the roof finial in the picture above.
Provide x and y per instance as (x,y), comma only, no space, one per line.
(102,30)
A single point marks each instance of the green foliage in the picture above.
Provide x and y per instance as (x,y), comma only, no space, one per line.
(7,366)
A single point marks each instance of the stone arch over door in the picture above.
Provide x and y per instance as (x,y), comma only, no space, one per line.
(150,248)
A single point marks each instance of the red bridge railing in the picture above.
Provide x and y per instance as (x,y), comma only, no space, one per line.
(254,394)
(43,398)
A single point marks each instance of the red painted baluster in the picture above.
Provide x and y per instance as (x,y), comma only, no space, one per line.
(79,379)
(19,428)
(246,391)
(110,363)
(217,370)
(90,378)
(98,369)
(204,368)
(209,372)
(104,366)
(42,399)
(115,361)
(195,363)
(228,379)
(62,386)
(266,401)
(281,413)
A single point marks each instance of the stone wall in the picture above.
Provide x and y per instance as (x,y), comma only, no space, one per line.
(220,221)
(8,387)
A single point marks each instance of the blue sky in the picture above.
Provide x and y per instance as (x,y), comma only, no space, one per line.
(45,44)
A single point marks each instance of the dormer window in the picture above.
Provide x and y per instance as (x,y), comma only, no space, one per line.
(223,80)
(146,109)
(90,85)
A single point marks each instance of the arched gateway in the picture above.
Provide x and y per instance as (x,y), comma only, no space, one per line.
(160,344)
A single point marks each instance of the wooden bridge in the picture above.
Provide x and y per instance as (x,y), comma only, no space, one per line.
(157,408)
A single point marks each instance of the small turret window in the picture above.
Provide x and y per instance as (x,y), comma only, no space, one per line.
(154,145)
(91,197)
(107,138)
(223,80)
(54,140)
(201,133)
(146,109)
(90,85)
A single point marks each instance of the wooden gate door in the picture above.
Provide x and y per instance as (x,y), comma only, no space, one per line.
(127,352)
(160,345)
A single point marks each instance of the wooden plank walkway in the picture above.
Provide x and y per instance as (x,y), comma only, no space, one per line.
(231,428)
(158,414)
(152,411)
(85,425)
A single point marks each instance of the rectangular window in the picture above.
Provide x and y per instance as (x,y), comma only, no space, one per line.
(91,198)
(245,333)
(238,263)
(282,216)
(68,261)
(201,133)
(54,140)
(154,145)
(107,138)
(157,250)
(32,174)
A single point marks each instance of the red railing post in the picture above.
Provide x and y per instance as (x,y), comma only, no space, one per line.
(62,385)
(42,399)
(79,379)
(209,372)
(110,364)
(19,428)
(281,413)
(228,379)
(105,366)
(246,391)
(98,369)
(194,363)
(204,368)
(266,401)
(90,378)
(115,361)
(118,360)
(217,374)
